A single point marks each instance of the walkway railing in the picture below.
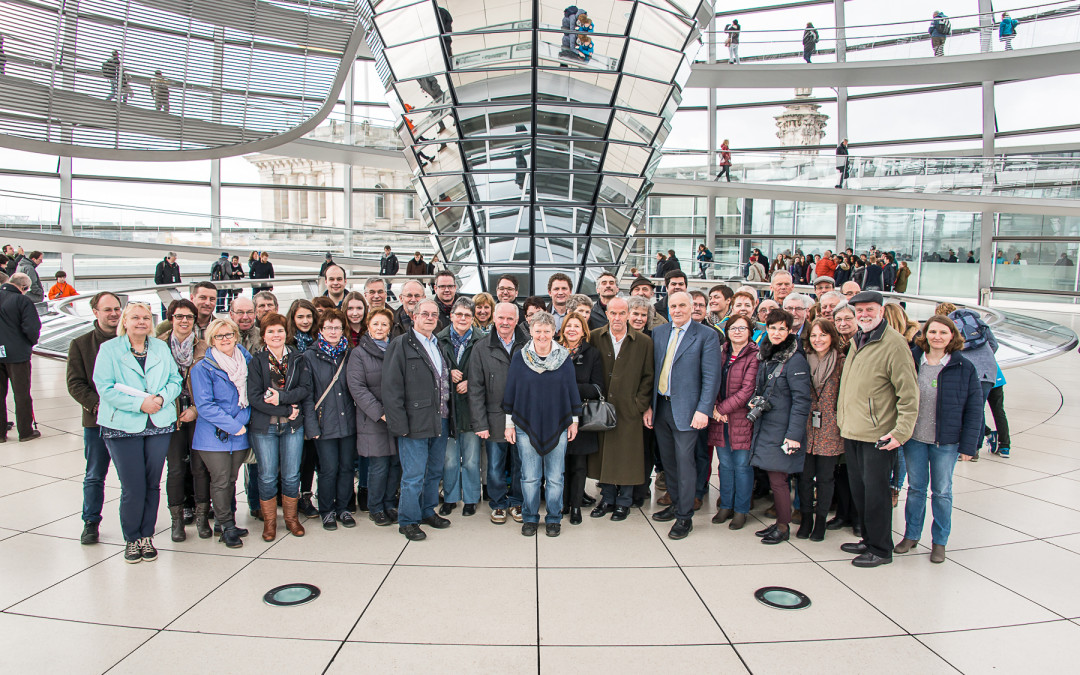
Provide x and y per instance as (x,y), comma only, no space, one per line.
(1041,25)
(1005,175)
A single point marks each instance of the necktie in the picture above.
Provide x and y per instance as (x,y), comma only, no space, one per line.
(669,356)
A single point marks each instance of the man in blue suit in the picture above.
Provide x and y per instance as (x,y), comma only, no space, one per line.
(687,362)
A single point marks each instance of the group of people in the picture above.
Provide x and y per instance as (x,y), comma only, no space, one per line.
(872,270)
(120,78)
(939,31)
(392,409)
(577,45)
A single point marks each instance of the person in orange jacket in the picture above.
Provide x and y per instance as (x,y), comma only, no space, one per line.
(61,289)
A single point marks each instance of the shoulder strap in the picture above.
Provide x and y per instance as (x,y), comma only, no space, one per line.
(331,385)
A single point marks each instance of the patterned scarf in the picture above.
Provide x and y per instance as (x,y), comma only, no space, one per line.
(549,363)
(333,352)
(279,369)
(303,341)
(459,342)
(183,352)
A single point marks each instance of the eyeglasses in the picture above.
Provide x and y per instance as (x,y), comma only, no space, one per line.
(249,312)
(462,315)
(428,315)
(225,336)
(332,329)
(183,317)
(444,287)
(737,329)
(505,288)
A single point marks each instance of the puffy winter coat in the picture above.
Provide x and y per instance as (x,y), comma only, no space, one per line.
(738,380)
(365,378)
(959,403)
(218,403)
(783,378)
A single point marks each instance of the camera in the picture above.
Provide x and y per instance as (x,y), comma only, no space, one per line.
(759,405)
(882,443)
(183,401)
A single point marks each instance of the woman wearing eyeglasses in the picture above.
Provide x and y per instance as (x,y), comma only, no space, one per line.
(137,383)
(729,430)
(219,387)
(187,350)
(330,418)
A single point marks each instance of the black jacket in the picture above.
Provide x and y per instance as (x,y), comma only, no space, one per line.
(261,270)
(598,318)
(389,266)
(20,325)
(297,389)
(459,403)
(788,390)
(167,273)
(487,382)
(589,371)
(336,417)
(365,371)
(959,403)
(411,394)
(402,322)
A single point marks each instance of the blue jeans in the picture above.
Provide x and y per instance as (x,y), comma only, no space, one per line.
(422,462)
(461,471)
(496,475)
(534,467)
(899,470)
(383,478)
(337,466)
(97,467)
(703,463)
(736,479)
(929,465)
(251,484)
(278,451)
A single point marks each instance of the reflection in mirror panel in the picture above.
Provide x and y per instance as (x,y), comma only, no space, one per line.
(532,127)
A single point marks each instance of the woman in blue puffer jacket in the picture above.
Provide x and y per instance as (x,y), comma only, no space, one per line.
(219,390)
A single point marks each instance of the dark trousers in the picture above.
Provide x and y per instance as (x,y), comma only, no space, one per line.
(619,495)
(383,479)
(576,468)
(97,467)
(223,468)
(781,492)
(19,374)
(337,466)
(309,461)
(869,469)
(725,170)
(677,451)
(139,461)
(187,481)
(996,399)
(807,52)
(845,503)
(821,470)
(703,464)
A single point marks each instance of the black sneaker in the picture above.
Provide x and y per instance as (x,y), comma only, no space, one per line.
(347,519)
(412,532)
(437,521)
(553,529)
(468,510)
(146,545)
(305,506)
(89,534)
(380,518)
(132,552)
(528,529)
(329,522)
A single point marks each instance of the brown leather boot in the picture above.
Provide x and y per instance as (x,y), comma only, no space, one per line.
(289,506)
(269,518)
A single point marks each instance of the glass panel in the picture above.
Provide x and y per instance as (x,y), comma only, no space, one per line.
(1047,266)
(407,24)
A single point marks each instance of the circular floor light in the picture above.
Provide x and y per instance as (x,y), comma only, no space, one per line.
(779,597)
(291,595)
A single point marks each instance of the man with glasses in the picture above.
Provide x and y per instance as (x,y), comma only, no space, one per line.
(445,295)
(412,292)
(242,313)
(375,293)
(850,289)
(82,355)
(798,305)
(506,290)
(416,399)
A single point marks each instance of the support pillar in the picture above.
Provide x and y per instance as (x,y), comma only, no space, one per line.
(841,114)
(987,222)
(215,203)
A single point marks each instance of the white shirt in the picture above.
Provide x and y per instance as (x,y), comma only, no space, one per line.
(681,333)
(558,318)
(617,344)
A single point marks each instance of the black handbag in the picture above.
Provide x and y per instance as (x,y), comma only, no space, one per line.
(597,415)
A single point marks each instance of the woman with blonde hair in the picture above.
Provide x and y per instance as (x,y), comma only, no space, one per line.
(898,320)
(137,382)
(483,311)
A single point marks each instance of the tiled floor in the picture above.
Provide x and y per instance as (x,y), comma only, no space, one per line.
(603,597)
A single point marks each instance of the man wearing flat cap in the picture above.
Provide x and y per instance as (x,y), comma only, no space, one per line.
(876,411)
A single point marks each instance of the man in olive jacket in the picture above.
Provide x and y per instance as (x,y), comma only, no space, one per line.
(82,354)
(416,400)
(488,368)
(876,410)
(627,356)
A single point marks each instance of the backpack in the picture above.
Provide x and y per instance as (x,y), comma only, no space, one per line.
(945,25)
(217,272)
(971,327)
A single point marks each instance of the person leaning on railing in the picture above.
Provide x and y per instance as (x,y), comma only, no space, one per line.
(187,350)
(137,382)
(219,389)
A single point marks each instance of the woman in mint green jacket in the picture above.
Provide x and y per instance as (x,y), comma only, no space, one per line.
(137,381)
